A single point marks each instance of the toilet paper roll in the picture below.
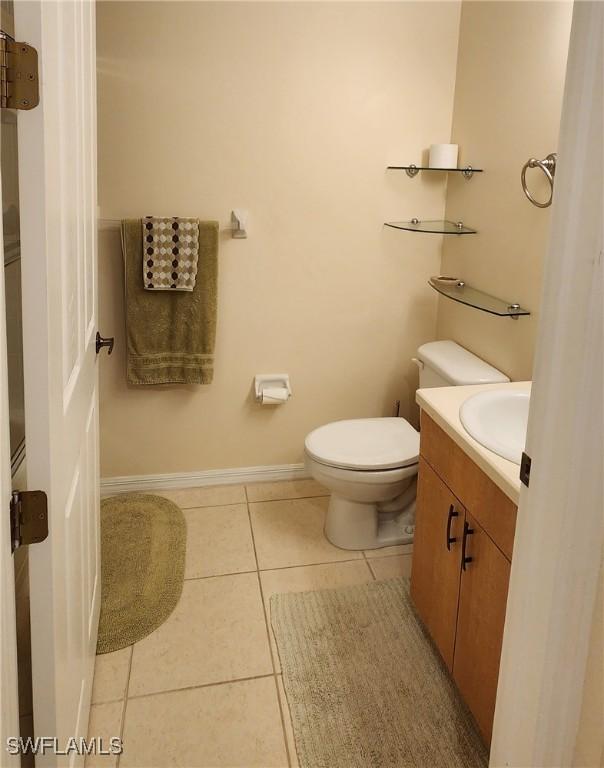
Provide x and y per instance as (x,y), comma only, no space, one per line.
(443,155)
(273,396)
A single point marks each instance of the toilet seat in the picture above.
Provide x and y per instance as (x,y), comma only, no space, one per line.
(365,444)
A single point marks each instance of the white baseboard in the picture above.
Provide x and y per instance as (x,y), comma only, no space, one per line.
(113,485)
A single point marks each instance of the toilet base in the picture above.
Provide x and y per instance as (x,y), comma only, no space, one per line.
(360,525)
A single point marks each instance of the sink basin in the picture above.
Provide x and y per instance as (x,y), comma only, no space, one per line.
(497,419)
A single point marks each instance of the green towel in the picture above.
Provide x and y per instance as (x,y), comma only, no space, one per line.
(170,335)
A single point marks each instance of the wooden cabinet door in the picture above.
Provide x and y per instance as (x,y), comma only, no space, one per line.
(437,559)
(481,616)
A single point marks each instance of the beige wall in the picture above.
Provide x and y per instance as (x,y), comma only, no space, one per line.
(508,99)
(292,111)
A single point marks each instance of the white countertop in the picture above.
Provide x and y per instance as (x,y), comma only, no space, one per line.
(442,405)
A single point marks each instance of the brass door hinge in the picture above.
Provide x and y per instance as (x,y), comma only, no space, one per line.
(18,74)
(28,518)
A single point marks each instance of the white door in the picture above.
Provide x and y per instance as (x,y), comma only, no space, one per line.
(559,532)
(57,176)
(9,711)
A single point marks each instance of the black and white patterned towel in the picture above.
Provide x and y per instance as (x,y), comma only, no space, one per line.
(170,253)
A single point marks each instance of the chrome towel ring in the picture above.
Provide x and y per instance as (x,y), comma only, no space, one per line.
(548,166)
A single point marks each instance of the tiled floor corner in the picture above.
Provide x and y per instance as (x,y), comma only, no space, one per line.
(390,567)
(286,489)
(105,723)
(234,724)
(111,671)
(211,496)
(216,633)
(205,690)
(287,724)
(219,541)
(290,532)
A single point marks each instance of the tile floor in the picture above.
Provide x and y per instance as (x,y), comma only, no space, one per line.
(205,688)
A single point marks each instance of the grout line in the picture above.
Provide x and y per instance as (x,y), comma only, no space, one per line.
(310,565)
(366,559)
(288,498)
(125,704)
(371,569)
(283,728)
(275,674)
(219,575)
(290,567)
(236,503)
(268,639)
(266,624)
(249,519)
(204,506)
(97,703)
(202,685)
(392,554)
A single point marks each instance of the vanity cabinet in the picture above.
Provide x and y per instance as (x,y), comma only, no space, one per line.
(437,559)
(480,618)
(461,566)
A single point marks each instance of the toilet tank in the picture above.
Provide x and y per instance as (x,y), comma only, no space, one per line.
(446,364)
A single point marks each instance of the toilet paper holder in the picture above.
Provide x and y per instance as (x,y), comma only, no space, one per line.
(272,388)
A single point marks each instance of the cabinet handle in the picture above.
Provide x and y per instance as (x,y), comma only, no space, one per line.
(467,531)
(450,539)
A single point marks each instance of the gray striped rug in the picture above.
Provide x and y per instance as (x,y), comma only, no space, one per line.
(365,686)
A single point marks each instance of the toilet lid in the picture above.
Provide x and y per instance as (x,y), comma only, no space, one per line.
(386,443)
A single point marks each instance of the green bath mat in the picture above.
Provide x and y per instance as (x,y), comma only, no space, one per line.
(364,684)
(143,540)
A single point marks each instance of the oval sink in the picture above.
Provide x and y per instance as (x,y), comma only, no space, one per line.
(498,420)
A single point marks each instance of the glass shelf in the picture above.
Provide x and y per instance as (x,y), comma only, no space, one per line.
(472,297)
(434,227)
(413,170)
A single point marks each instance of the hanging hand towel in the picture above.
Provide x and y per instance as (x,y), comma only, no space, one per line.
(171,248)
(170,335)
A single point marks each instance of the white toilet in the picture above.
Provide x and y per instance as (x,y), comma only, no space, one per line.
(370,465)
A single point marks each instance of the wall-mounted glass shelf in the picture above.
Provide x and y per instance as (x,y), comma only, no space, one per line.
(433,227)
(472,297)
(413,170)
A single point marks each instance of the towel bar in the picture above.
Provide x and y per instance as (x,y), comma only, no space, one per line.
(114,224)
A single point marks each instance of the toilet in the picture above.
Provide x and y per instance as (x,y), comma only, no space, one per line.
(370,465)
